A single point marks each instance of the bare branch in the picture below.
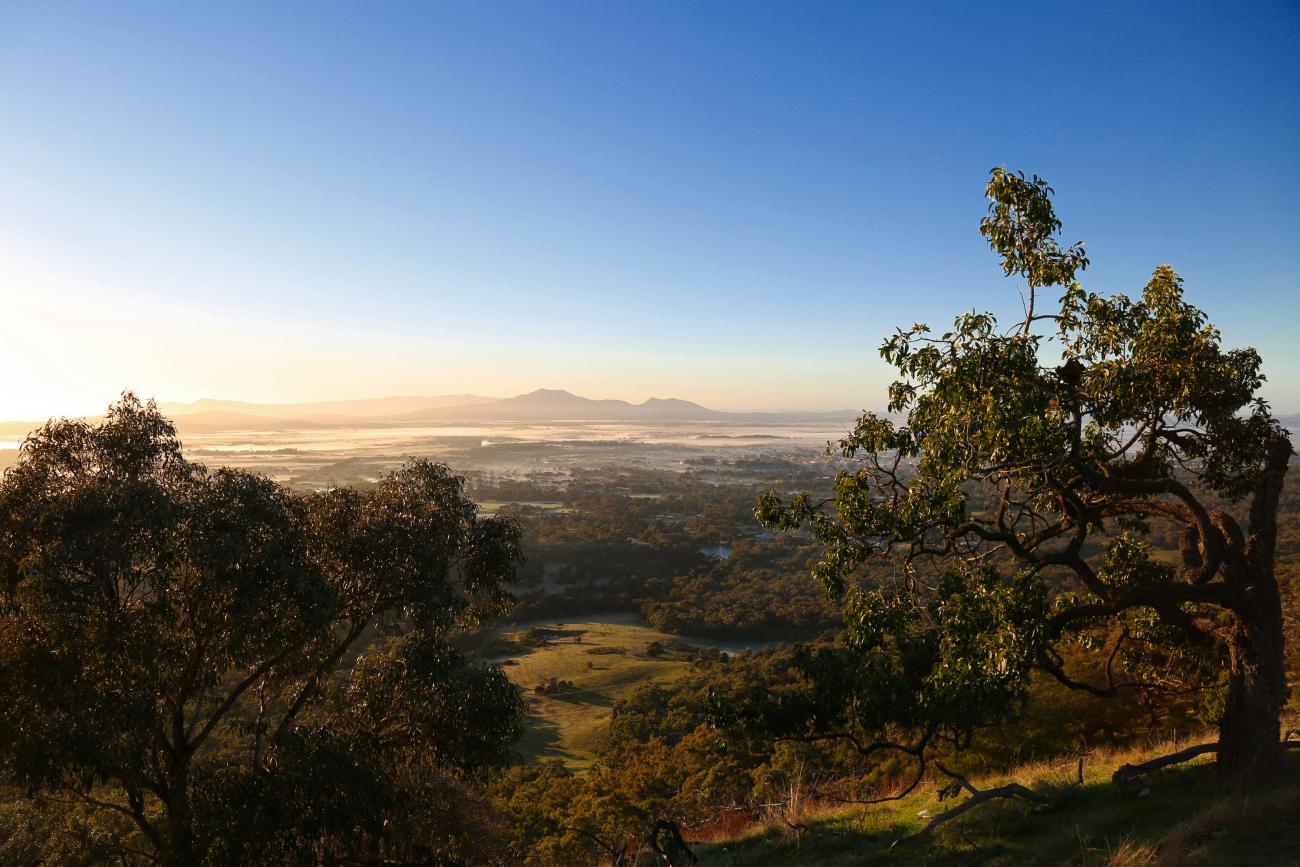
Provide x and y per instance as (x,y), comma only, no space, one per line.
(1127,773)
(978,796)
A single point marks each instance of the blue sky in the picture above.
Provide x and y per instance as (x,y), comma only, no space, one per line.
(727,202)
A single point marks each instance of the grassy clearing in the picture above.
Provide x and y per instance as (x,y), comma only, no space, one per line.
(489,508)
(605,660)
(1179,816)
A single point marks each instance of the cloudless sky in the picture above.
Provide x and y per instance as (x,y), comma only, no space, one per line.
(727,202)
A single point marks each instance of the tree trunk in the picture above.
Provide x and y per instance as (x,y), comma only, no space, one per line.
(1249,745)
(180,822)
(1250,729)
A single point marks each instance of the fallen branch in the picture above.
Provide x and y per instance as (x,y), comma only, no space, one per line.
(1127,773)
(977,796)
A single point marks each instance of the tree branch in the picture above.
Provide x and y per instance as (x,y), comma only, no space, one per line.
(1211,539)
(313,682)
(1152,595)
(978,796)
(1127,773)
(235,693)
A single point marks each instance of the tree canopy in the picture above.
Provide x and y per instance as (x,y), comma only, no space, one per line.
(1025,464)
(232,672)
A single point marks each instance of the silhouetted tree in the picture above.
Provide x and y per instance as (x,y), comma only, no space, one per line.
(1007,458)
(181,647)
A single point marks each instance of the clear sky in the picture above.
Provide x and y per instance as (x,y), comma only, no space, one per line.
(726,202)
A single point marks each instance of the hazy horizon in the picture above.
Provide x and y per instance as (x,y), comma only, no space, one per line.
(731,205)
(446,400)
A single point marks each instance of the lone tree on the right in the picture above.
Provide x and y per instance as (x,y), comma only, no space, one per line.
(1081,424)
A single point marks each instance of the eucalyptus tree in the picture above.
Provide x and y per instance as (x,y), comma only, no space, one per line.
(237,672)
(1028,463)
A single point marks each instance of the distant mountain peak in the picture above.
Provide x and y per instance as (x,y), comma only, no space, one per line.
(547,396)
(547,392)
(539,405)
(674,401)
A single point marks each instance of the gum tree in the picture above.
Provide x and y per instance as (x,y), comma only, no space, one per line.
(181,651)
(1028,462)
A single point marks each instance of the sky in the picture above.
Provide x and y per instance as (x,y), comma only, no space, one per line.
(732,203)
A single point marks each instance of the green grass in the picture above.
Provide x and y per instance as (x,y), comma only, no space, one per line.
(488,508)
(605,659)
(1184,817)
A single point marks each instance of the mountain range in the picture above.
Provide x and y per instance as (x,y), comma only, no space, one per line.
(542,405)
(548,404)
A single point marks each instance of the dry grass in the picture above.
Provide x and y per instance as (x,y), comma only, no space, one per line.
(1178,816)
(1132,854)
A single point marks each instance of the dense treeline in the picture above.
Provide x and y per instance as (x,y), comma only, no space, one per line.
(184,676)
(748,596)
(614,547)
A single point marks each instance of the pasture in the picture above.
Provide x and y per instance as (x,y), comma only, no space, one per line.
(596,661)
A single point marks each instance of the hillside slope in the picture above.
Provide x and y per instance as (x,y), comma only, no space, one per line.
(1179,816)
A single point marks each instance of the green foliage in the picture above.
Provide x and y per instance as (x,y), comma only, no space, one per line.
(754,594)
(181,649)
(940,666)
(1002,458)
(664,754)
(1022,226)
(659,757)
